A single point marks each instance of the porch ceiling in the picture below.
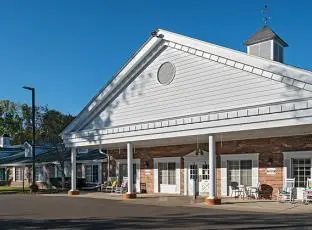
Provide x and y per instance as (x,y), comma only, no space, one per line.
(239,135)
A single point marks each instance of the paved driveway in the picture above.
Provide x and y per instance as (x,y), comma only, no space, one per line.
(44,212)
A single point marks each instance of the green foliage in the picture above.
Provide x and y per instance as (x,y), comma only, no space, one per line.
(15,121)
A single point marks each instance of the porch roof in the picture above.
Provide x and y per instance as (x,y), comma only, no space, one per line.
(164,140)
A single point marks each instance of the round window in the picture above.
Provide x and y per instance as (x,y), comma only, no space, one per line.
(166,73)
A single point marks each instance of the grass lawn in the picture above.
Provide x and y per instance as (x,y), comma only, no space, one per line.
(5,189)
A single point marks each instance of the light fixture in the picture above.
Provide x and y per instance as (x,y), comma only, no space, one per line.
(198,150)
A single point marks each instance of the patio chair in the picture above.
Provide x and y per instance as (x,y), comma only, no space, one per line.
(109,186)
(122,188)
(235,190)
(105,185)
(287,192)
(307,193)
(254,192)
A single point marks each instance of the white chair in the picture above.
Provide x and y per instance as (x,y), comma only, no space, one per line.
(254,192)
(307,193)
(123,187)
(235,190)
(287,192)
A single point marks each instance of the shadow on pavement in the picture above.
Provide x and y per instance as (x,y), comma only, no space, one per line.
(173,221)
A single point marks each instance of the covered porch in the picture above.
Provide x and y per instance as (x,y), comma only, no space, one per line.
(197,155)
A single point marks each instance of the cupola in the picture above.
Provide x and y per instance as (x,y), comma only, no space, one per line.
(266,44)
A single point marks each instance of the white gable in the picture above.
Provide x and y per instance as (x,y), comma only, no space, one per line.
(200,85)
(215,90)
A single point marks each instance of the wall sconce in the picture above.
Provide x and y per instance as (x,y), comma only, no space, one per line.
(146,164)
(270,161)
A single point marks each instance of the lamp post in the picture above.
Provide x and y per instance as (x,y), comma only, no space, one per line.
(33,133)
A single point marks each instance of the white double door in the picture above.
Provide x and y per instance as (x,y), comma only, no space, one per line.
(200,173)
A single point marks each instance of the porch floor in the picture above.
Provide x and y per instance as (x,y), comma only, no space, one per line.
(266,206)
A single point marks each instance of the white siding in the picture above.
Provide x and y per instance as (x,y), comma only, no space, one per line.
(200,85)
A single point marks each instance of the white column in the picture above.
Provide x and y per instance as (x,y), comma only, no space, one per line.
(13,173)
(212,167)
(130,167)
(73,169)
(108,166)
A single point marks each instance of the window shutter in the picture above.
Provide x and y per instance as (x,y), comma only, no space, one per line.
(83,171)
(255,173)
(156,177)
(224,178)
(287,168)
(99,173)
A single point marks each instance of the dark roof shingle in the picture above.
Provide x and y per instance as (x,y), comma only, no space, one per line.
(264,34)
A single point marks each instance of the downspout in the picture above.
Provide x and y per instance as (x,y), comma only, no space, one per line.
(108,161)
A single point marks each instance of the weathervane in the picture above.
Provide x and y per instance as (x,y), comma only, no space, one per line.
(266,17)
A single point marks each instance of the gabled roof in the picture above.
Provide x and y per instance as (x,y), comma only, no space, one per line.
(286,74)
(265,34)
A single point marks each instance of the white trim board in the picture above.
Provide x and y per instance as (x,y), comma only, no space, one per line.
(177,161)
(244,156)
(274,116)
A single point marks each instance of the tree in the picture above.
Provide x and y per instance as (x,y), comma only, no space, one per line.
(10,119)
(15,121)
(53,123)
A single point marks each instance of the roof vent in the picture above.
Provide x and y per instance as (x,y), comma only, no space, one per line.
(5,141)
(166,73)
(266,44)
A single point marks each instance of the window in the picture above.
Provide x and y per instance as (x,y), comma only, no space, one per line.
(167,173)
(123,172)
(240,171)
(193,172)
(81,150)
(57,173)
(67,169)
(18,173)
(278,52)
(301,171)
(39,173)
(2,174)
(92,173)
(79,171)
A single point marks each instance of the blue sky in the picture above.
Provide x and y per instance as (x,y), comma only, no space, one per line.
(68,49)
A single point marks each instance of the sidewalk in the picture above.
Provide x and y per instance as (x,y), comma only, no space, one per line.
(264,206)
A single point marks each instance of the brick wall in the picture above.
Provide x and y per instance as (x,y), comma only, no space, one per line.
(269,149)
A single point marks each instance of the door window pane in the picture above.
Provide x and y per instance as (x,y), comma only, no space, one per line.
(163,173)
(79,171)
(193,171)
(240,172)
(233,172)
(246,172)
(205,172)
(95,173)
(18,173)
(39,173)
(171,173)
(301,171)
(123,172)
(167,173)
(88,171)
